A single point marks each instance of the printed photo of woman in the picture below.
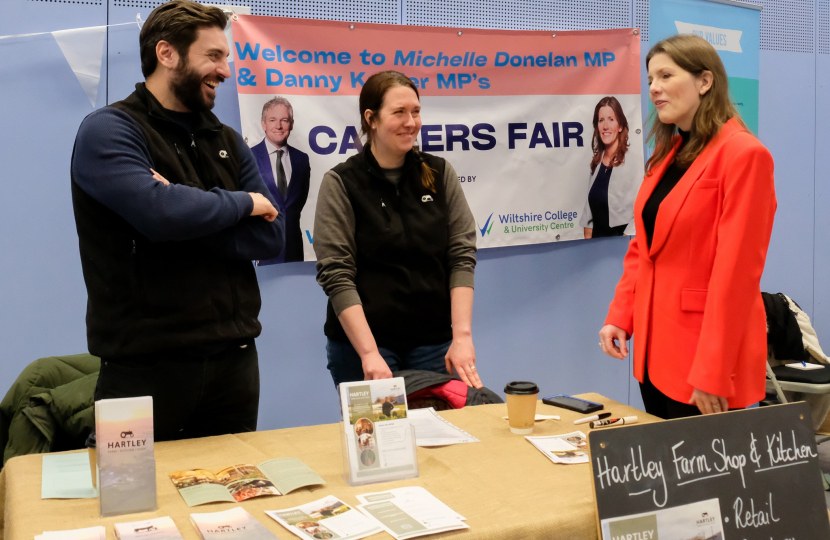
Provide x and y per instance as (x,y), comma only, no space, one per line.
(609,209)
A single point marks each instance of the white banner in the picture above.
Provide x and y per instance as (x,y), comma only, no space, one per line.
(513,112)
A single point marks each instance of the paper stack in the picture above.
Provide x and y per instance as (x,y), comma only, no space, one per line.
(233,524)
(432,429)
(66,476)
(410,512)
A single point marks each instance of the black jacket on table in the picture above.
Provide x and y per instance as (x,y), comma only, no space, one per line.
(401,237)
(186,282)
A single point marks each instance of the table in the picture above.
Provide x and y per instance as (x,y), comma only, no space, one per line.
(504,486)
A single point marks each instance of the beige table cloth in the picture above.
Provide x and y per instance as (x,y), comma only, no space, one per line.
(503,485)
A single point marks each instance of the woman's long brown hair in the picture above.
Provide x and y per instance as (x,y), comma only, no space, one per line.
(695,55)
(371,99)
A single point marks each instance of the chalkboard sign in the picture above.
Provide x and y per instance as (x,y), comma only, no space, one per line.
(750,474)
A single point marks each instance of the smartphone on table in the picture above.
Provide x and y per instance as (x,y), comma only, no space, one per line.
(573,404)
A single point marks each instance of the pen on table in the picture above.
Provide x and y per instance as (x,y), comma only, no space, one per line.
(592,418)
(614,422)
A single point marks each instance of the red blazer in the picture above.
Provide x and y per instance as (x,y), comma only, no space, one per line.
(693,300)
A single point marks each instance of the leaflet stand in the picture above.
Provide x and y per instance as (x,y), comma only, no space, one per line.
(377,438)
(355,477)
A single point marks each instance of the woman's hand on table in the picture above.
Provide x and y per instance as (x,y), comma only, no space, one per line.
(462,358)
(614,341)
(708,403)
(375,367)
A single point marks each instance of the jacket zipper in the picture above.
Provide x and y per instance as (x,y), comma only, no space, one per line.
(198,166)
(385,212)
(180,156)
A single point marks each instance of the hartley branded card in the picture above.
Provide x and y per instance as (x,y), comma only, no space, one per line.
(233,524)
(124,450)
(689,521)
(161,528)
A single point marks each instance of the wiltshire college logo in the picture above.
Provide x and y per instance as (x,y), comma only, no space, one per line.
(488,226)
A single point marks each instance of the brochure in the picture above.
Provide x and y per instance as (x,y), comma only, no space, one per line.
(431,429)
(242,482)
(161,528)
(90,533)
(379,443)
(410,512)
(568,448)
(412,496)
(328,517)
(696,520)
(233,524)
(125,459)
(66,476)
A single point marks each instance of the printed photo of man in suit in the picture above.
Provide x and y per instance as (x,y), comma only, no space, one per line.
(286,173)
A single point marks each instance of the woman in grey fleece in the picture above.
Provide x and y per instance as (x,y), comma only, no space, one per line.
(395,245)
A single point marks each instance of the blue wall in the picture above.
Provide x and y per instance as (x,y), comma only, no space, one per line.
(537,308)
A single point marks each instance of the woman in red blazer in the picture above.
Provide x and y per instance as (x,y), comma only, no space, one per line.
(690,289)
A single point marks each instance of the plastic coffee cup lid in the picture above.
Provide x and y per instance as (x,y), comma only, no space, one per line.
(521,388)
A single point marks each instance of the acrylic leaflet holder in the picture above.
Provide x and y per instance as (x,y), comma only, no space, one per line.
(377,437)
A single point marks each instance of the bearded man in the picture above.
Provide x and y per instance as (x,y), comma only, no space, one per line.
(170,210)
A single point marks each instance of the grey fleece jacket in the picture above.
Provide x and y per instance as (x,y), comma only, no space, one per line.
(335,247)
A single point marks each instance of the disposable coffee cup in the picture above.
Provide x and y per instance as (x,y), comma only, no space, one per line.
(521,406)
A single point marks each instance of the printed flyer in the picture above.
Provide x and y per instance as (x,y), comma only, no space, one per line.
(379,440)
(432,429)
(690,521)
(566,449)
(326,518)
(415,499)
(239,483)
(410,512)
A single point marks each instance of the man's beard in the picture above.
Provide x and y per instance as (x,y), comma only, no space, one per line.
(187,87)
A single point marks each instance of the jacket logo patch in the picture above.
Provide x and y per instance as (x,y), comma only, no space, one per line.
(223,154)
(426,198)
